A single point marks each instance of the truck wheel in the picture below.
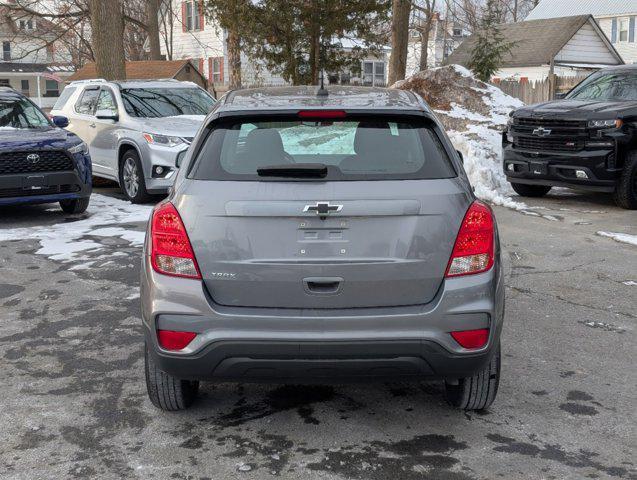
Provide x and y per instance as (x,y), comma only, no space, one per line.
(165,391)
(625,194)
(78,205)
(525,190)
(131,178)
(478,391)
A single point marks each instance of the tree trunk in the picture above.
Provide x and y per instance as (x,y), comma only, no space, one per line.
(107,38)
(234,59)
(152,22)
(424,45)
(399,40)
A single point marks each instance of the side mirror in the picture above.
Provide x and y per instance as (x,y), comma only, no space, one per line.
(461,156)
(560,95)
(60,121)
(106,115)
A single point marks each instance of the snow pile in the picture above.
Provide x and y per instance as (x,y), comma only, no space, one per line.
(67,242)
(474,114)
(620,237)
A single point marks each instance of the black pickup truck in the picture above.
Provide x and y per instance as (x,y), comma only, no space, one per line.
(587,140)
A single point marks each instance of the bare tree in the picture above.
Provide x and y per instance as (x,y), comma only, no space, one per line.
(426,9)
(107,38)
(152,29)
(401,10)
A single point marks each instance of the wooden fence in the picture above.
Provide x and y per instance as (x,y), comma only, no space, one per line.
(539,90)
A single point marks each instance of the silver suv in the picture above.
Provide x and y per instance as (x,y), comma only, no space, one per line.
(321,238)
(135,130)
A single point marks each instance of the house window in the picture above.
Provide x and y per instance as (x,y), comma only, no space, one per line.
(24,86)
(346,78)
(193,19)
(215,72)
(6,51)
(4,82)
(457,32)
(623,29)
(26,24)
(51,88)
(374,74)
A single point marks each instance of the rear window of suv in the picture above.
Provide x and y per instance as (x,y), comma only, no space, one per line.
(349,149)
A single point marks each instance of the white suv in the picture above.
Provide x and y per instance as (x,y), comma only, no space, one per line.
(135,129)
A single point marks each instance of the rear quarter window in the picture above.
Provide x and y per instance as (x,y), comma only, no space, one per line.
(64,98)
(351,149)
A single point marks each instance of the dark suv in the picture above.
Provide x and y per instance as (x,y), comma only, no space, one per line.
(587,140)
(40,162)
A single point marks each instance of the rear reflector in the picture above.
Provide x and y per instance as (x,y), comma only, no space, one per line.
(171,340)
(471,338)
(320,114)
(171,252)
(473,250)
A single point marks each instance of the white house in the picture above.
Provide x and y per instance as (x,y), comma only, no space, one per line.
(194,37)
(444,37)
(616,18)
(565,46)
(32,61)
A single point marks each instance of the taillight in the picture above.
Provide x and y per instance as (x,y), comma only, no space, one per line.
(171,252)
(171,340)
(473,250)
(471,338)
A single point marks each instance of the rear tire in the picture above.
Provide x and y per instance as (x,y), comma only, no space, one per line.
(78,205)
(478,391)
(131,178)
(165,391)
(625,194)
(525,190)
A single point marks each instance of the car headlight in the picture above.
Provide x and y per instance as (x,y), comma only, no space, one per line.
(79,148)
(615,123)
(164,140)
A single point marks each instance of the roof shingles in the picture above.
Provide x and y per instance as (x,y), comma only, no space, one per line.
(535,42)
(141,70)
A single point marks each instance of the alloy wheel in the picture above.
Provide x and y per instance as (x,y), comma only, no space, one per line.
(131,177)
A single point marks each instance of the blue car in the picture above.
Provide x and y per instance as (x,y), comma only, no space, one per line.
(40,162)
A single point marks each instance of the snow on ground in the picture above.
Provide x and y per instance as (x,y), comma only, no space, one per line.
(474,121)
(620,237)
(67,242)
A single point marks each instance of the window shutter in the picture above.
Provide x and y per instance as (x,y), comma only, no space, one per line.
(613,31)
(201,70)
(184,27)
(631,30)
(221,80)
(210,73)
(201,19)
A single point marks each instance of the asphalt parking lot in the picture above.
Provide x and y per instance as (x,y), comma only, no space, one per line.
(73,402)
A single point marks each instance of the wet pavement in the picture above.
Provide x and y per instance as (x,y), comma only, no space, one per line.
(74,405)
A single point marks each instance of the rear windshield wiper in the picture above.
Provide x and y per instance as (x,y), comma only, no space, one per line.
(295,170)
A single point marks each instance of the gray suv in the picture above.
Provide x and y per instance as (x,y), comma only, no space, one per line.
(322,238)
(135,130)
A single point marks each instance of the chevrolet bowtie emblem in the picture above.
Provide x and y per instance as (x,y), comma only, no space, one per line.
(542,132)
(322,208)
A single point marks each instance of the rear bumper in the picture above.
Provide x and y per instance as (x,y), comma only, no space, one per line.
(307,345)
(558,168)
(323,362)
